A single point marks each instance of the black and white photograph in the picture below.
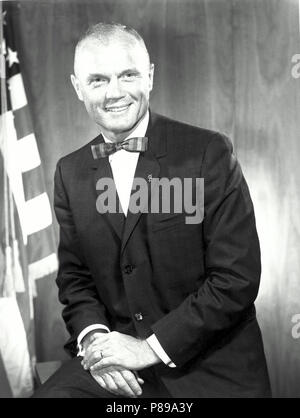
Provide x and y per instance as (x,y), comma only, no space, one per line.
(150,201)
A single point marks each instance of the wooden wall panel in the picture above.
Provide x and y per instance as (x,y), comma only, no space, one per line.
(267,104)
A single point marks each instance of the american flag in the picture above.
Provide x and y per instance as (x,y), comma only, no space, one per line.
(27,246)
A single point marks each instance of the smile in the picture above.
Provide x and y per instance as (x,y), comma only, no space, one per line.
(117,109)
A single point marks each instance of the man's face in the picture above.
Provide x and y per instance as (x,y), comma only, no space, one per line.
(114,82)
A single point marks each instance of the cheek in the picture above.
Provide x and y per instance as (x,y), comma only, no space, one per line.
(93,98)
(141,96)
(138,90)
(92,108)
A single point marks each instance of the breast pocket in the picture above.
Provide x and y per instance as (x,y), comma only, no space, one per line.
(167,221)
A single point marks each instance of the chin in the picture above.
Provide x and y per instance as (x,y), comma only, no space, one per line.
(121,126)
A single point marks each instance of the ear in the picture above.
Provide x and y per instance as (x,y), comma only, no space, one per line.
(151,76)
(76,86)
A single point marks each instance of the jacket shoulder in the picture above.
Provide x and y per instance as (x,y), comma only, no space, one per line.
(185,135)
(79,155)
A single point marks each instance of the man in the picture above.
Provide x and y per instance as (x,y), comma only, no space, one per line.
(155,305)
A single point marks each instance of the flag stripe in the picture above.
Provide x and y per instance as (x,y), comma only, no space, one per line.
(32,183)
(8,104)
(22,121)
(45,247)
(28,150)
(37,213)
(43,267)
(17,92)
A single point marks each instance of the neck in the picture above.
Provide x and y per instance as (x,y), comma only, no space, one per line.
(120,136)
(117,137)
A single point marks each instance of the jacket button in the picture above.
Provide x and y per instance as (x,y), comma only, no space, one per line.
(138,316)
(128,269)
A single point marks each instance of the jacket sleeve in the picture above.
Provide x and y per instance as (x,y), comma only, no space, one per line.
(77,290)
(232,262)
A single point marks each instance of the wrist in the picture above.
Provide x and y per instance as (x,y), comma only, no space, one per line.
(91,336)
(150,356)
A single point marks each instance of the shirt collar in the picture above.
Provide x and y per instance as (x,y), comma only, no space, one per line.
(139,131)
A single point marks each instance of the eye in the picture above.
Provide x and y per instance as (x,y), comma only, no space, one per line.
(98,81)
(129,76)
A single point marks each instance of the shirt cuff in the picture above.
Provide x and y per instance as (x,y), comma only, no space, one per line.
(157,348)
(84,332)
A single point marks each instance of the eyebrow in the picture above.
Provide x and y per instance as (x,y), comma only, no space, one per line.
(129,70)
(96,75)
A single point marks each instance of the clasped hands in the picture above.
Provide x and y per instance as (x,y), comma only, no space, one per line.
(113,360)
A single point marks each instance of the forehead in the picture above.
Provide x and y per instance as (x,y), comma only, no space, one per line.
(113,56)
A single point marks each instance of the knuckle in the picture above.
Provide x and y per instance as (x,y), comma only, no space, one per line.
(123,385)
(134,385)
(127,374)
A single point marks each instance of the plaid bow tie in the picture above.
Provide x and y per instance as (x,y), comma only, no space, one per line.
(102,150)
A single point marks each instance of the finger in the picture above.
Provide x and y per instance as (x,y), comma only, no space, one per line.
(105,362)
(122,384)
(97,346)
(131,380)
(87,354)
(93,355)
(110,383)
(138,378)
(100,381)
(90,348)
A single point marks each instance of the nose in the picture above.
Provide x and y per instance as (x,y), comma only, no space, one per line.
(113,90)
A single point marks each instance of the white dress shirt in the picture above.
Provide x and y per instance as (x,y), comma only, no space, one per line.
(123,165)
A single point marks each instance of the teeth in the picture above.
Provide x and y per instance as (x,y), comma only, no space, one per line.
(116,109)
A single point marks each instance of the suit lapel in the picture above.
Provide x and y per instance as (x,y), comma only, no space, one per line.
(102,170)
(148,166)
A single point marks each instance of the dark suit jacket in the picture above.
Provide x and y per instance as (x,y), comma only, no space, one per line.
(194,285)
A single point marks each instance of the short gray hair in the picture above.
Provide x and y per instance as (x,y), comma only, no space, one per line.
(104,32)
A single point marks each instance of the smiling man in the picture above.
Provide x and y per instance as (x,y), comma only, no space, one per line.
(114,77)
(155,307)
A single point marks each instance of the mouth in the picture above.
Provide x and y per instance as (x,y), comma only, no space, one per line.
(117,109)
